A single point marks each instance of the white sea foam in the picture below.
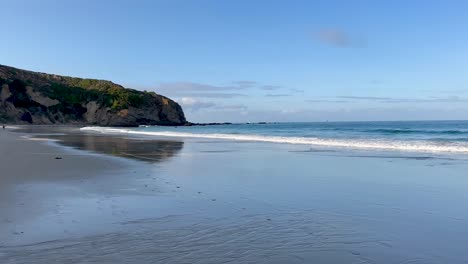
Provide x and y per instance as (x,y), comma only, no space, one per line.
(409,146)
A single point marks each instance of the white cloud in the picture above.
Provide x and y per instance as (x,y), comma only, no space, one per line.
(195,104)
(277,95)
(200,90)
(270,87)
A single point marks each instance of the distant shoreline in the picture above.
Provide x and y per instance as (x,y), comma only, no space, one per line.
(74,124)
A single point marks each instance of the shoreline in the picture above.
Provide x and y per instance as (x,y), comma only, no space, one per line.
(42,157)
(130,200)
(339,144)
(30,166)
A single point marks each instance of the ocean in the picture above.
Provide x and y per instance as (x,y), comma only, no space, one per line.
(436,137)
(335,192)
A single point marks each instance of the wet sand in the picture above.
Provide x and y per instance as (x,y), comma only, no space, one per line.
(127,200)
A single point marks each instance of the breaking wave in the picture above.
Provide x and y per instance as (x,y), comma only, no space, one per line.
(367,144)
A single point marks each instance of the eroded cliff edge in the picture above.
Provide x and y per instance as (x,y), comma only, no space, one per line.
(28,97)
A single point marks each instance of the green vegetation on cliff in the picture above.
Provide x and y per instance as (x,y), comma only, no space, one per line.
(45,98)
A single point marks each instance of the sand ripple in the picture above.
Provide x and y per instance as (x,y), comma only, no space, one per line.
(281,238)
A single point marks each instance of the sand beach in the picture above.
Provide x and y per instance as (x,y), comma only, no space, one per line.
(74,197)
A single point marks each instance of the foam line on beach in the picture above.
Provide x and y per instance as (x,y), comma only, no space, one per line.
(409,146)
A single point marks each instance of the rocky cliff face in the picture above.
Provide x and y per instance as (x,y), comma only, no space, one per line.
(37,98)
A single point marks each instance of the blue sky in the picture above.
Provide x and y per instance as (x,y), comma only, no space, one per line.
(247,61)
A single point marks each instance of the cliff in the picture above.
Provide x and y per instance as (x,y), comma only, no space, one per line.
(38,98)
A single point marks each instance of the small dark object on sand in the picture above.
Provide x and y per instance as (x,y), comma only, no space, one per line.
(58,157)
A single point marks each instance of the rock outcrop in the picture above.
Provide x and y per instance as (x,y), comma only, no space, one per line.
(38,98)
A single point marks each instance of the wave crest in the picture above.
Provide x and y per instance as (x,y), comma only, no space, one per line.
(408,146)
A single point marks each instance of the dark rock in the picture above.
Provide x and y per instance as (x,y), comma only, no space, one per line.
(28,97)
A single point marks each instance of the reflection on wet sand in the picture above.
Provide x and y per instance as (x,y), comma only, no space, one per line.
(224,202)
(143,150)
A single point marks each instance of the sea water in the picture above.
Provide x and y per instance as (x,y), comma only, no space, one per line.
(439,137)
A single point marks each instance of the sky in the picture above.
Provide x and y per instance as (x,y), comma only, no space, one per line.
(251,61)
